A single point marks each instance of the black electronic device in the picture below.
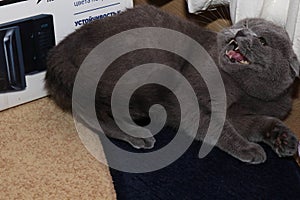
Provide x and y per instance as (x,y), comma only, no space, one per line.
(24,45)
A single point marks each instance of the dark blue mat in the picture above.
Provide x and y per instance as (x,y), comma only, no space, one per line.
(217,176)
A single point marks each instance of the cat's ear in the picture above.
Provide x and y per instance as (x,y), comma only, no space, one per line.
(295,65)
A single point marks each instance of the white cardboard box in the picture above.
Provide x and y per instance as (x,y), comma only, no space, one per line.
(68,15)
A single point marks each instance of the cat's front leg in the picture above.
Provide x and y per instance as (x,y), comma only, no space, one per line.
(234,144)
(270,130)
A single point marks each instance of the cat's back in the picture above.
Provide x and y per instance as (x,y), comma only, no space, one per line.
(77,45)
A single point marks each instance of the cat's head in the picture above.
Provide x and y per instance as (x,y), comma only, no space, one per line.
(259,56)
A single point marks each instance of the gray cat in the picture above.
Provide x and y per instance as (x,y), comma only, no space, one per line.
(255,59)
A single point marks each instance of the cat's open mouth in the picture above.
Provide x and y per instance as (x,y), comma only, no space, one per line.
(234,54)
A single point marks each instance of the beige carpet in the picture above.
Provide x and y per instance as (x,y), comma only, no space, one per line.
(42,157)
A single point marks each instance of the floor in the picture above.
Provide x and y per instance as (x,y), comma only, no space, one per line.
(42,157)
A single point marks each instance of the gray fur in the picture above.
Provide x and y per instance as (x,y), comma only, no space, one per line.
(258,94)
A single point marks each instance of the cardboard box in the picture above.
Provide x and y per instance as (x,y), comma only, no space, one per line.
(28,28)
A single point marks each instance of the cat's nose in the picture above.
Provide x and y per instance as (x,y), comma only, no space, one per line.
(245,33)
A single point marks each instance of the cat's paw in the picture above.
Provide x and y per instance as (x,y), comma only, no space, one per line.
(283,141)
(142,143)
(253,154)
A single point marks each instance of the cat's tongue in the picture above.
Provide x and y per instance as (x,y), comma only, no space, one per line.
(237,56)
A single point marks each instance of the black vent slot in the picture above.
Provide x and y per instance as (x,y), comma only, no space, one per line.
(12,75)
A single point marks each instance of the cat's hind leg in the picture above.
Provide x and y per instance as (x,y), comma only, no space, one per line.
(134,138)
(138,142)
(110,129)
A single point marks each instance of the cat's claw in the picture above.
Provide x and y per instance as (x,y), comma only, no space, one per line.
(283,141)
(142,143)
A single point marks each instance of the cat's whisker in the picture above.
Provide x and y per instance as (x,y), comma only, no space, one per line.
(207,18)
(226,7)
(213,13)
(224,19)
(222,10)
(211,20)
(200,21)
(218,24)
(225,15)
(204,21)
(219,15)
(226,10)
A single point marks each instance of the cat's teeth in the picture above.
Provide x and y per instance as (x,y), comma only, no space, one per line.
(245,62)
(237,48)
(231,41)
